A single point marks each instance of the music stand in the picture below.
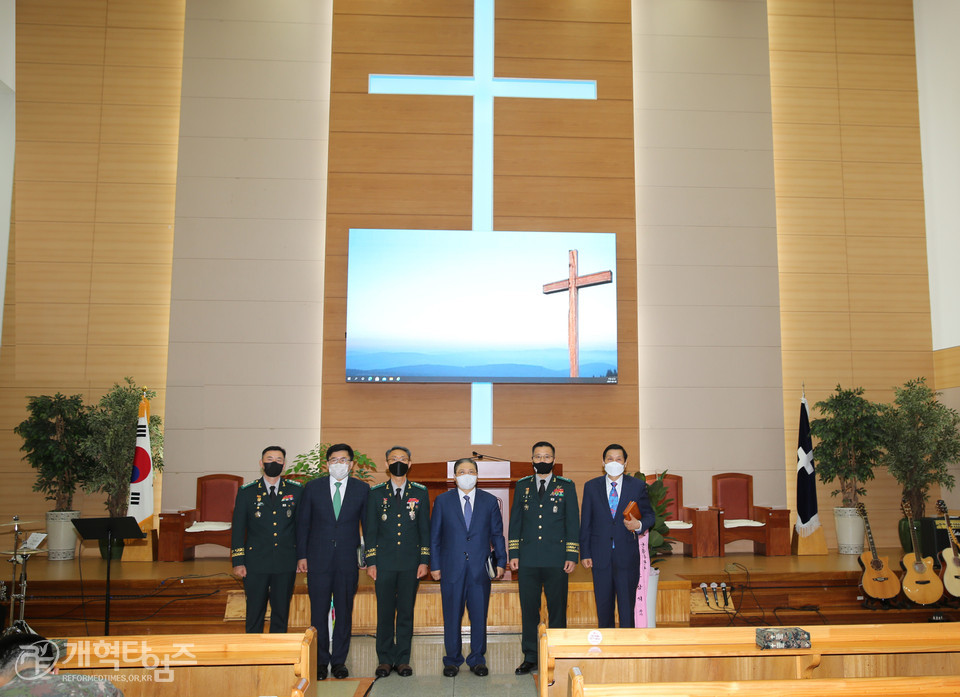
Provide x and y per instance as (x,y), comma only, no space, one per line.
(108,529)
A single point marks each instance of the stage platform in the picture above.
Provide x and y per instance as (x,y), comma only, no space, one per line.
(202,596)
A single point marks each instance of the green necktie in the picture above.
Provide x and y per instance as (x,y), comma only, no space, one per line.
(336,500)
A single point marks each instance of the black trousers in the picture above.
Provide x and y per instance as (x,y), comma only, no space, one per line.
(339,585)
(616,583)
(396,596)
(553,582)
(278,589)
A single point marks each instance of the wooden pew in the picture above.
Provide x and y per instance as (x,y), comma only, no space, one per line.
(731,654)
(145,665)
(918,686)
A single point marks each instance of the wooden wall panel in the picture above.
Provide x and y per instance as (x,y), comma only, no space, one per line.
(946,364)
(865,309)
(404,162)
(97,121)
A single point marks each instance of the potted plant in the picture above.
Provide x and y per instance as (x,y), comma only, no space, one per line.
(111,444)
(921,440)
(849,446)
(313,463)
(52,436)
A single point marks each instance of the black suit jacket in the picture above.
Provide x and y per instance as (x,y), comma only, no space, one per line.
(599,530)
(324,540)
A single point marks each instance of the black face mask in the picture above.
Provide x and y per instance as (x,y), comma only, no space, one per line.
(543,467)
(398,469)
(272,469)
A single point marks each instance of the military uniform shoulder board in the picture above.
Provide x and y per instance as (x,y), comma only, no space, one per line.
(250,484)
(418,485)
(293,482)
(523,479)
(379,486)
(561,478)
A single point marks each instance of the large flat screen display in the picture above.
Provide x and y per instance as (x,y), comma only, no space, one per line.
(461,306)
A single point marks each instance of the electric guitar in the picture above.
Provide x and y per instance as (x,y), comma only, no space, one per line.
(878,580)
(950,555)
(920,583)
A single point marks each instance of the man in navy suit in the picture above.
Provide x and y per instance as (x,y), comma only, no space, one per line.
(465,525)
(329,517)
(608,542)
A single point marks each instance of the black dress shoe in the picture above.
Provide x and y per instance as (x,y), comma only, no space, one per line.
(321,672)
(340,671)
(525,668)
(480,669)
(383,670)
(450,671)
(403,670)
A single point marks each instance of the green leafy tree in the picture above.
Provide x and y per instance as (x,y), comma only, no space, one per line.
(52,437)
(659,541)
(850,442)
(921,440)
(112,442)
(313,464)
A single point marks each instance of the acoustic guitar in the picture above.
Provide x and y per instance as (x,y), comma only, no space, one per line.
(878,580)
(920,583)
(950,555)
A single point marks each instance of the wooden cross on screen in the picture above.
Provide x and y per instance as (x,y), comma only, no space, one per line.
(572,283)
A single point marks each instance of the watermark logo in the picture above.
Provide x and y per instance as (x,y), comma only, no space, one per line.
(37,660)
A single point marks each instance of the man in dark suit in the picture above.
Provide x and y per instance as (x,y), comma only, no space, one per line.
(397,536)
(608,541)
(264,542)
(331,512)
(465,525)
(544,547)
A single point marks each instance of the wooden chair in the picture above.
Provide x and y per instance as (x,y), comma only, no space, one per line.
(697,529)
(739,519)
(216,495)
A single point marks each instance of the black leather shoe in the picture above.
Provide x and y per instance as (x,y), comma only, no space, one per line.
(480,669)
(403,670)
(321,672)
(525,668)
(383,670)
(340,671)
(450,671)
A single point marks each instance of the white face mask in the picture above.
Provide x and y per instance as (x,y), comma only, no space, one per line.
(614,469)
(339,470)
(466,481)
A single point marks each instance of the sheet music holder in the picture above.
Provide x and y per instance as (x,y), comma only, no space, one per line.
(108,529)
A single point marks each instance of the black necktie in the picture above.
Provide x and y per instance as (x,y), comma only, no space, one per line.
(398,495)
(273,493)
(543,488)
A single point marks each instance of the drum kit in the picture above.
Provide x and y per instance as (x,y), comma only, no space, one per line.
(19,557)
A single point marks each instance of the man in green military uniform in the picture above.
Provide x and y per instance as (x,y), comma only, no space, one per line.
(264,542)
(398,554)
(544,547)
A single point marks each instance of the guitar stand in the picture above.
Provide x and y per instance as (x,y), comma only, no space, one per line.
(877,604)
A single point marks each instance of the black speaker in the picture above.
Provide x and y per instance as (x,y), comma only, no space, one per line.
(933,536)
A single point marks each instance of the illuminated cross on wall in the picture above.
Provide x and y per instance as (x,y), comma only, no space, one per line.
(483,87)
(573,283)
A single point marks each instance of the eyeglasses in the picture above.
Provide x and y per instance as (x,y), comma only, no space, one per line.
(339,461)
(543,458)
